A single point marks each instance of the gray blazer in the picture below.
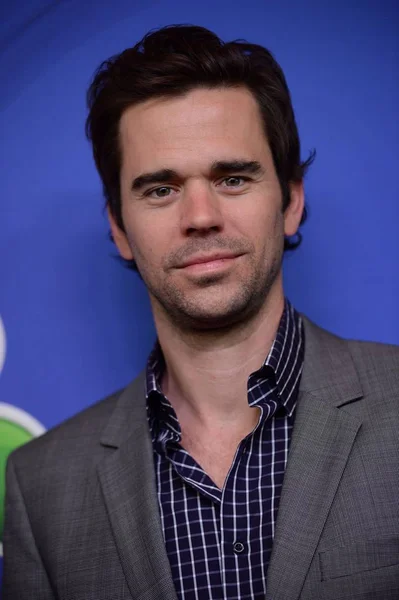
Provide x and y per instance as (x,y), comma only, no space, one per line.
(82,520)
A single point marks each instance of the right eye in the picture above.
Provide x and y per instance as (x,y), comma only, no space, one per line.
(160,192)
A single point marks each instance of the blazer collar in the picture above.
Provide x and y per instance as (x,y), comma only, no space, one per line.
(129,418)
(329,370)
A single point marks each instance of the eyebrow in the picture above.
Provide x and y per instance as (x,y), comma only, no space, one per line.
(161,176)
(219,167)
(252,167)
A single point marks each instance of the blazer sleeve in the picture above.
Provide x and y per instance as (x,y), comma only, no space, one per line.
(24,575)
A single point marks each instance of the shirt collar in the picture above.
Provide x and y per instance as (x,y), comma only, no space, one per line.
(284,363)
(282,368)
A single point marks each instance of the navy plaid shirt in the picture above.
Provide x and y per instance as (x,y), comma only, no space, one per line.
(219,542)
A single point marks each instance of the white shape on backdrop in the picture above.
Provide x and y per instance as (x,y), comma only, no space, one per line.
(16,415)
(3,345)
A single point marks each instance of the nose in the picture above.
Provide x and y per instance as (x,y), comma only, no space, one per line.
(200,210)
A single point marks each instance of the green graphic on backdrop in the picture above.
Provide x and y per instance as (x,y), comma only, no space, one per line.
(16,428)
(11,436)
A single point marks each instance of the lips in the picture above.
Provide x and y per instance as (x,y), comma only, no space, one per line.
(209,258)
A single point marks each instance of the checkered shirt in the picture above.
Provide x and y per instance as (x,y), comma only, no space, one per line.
(219,542)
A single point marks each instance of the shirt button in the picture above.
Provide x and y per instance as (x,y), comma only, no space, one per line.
(238,547)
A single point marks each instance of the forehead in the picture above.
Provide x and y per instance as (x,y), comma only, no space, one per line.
(202,126)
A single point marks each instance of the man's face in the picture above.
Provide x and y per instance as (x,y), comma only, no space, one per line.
(202,206)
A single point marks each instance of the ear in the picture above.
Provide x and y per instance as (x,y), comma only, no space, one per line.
(120,238)
(293,213)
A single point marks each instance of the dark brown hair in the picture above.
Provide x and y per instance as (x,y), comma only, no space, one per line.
(172,61)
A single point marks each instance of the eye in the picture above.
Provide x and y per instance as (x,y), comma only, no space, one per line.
(160,192)
(234,181)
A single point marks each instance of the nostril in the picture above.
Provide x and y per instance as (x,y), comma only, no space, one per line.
(203,231)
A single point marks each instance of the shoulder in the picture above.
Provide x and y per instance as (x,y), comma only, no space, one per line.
(337,361)
(377,366)
(76,437)
(60,468)
(374,356)
(367,355)
(78,440)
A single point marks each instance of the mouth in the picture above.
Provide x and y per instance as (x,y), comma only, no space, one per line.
(209,263)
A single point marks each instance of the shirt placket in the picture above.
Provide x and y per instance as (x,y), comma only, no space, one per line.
(233,526)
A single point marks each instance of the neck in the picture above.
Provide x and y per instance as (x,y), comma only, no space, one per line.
(206,372)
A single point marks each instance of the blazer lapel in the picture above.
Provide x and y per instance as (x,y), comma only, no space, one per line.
(128,484)
(327,421)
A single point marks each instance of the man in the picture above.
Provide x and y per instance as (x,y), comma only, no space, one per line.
(257,456)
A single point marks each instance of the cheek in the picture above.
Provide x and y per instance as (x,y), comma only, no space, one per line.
(261,223)
(148,238)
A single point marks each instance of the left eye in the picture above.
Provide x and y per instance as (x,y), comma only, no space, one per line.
(233,181)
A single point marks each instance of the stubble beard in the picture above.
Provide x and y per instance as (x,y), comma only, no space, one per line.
(189,314)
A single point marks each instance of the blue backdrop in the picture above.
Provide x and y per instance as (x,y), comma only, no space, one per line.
(78,325)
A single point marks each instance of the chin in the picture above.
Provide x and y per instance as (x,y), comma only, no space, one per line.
(202,318)
(215,305)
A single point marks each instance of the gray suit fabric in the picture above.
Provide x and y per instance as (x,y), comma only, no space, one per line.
(82,519)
